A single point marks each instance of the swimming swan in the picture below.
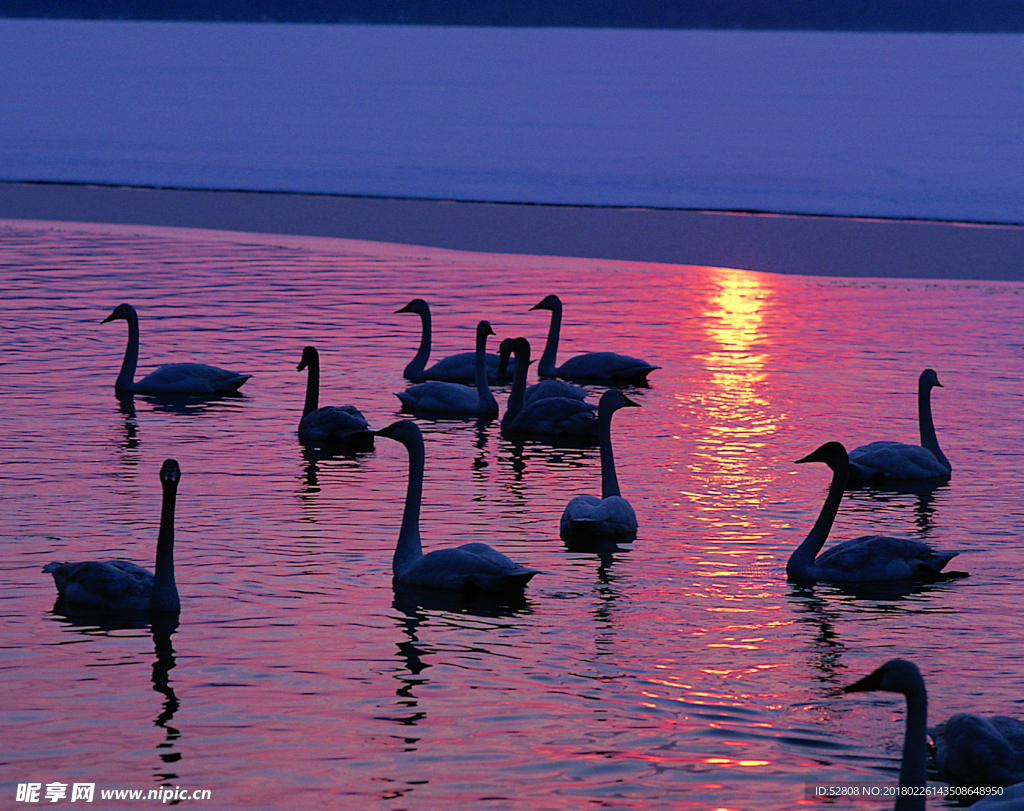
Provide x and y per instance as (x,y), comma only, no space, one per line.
(610,515)
(457,368)
(980,750)
(549,416)
(869,558)
(119,585)
(901,676)
(439,399)
(171,379)
(471,568)
(898,461)
(595,367)
(330,425)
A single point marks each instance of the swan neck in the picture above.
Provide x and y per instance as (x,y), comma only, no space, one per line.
(483,387)
(312,386)
(803,557)
(546,367)
(924,417)
(414,369)
(914,769)
(609,479)
(126,377)
(517,397)
(409,548)
(165,591)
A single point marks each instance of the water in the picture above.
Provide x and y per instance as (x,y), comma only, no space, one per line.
(679,671)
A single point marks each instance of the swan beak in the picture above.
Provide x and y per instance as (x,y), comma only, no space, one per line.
(872,681)
(631,403)
(808,458)
(108,318)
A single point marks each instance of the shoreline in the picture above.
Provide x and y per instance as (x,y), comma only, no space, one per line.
(773,243)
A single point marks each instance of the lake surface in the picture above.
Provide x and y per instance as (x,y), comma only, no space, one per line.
(679,671)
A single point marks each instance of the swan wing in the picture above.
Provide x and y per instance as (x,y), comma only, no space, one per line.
(590,516)
(554,388)
(461,368)
(108,584)
(894,460)
(980,750)
(189,379)
(556,416)
(473,566)
(878,557)
(335,424)
(436,398)
(605,367)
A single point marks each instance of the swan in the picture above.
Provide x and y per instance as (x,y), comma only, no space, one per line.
(119,585)
(543,389)
(330,425)
(471,568)
(436,398)
(457,368)
(549,416)
(980,750)
(171,379)
(595,367)
(869,558)
(590,516)
(897,461)
(901,676)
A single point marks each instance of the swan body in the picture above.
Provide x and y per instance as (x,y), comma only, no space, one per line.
(865,559)
(470,568)
(897,461)
(901,676)
(611,515)
(436,398)
(328,425)
(457,368)
(548,416)
(980,750)
(171,379)
(119,585)
(594,367)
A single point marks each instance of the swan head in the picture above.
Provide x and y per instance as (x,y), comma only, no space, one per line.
(929,379)
(519,347)
(483,329)
(170,473)
(895,676)
(125,312)
(832,454)
(615,399)
(404,431)
(417,305)
(309,356)
(551,302)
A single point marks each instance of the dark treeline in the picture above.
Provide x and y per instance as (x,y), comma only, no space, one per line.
(798,15)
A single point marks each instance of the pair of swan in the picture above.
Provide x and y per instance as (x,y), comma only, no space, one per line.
(437,398)
(329,425)
(610,515)
(119,585)
(886,461)
(550,416)
(870,558)
(171,379)
(981,752)
(457,368)
(593,367)
(473,568)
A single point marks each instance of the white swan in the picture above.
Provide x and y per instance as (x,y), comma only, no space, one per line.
(549,416)
(119,585)
(457,368)
(869,558)
(171,379)
(980,750)
(595,367)
(901,676)
(471,568)
(329,425)
(610,515)
(439,399)
(897,461)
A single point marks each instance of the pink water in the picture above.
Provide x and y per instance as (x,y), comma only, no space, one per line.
(681,671)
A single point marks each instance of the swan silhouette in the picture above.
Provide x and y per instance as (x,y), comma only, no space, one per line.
(471,568)
(864,559)
(610,515)
(980,750)
(329,425)
(593,367)
(548,416)
(439,399)
(119,585)
(171,379)
(457,368)
(886,461)
(901,676)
